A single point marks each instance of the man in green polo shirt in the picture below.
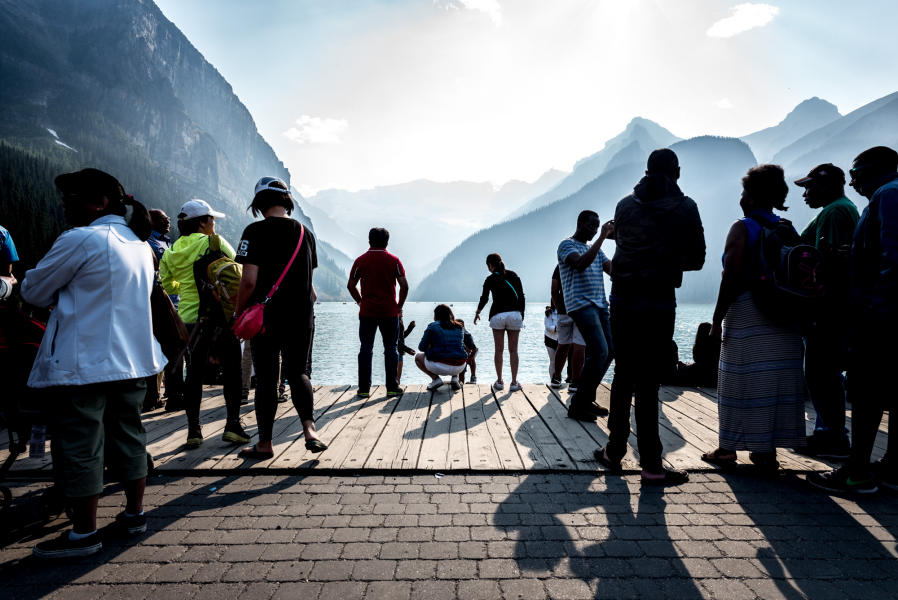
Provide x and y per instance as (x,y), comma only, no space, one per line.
(826,345)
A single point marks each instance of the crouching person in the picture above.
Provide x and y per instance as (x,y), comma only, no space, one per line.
(97,352)
(442,348)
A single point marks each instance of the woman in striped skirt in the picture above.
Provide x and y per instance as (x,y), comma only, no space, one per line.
(760,389)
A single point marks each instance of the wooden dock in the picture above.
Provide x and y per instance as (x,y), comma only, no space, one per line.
(472,429)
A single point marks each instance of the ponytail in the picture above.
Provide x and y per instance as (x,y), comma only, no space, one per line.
(140,222)
(495,261)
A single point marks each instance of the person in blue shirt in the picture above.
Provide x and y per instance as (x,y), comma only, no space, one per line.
(442,348)
(873,311)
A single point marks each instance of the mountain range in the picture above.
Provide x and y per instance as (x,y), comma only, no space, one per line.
(113,84)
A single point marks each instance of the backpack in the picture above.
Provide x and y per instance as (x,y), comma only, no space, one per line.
(217,278)
(787,285)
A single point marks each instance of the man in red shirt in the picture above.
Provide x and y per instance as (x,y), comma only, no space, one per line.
(378,271)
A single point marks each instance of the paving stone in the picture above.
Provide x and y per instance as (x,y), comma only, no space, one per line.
(457,569)
(433,590)
(342,590)
(568,589)
(478,590)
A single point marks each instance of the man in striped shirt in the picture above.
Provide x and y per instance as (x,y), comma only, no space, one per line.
(581,267)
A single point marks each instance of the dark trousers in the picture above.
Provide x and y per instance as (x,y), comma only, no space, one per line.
(826,349)
(642,338)
(871,393)
(595,327)
(389,332)
(174,381)
(295,346)
(224,345)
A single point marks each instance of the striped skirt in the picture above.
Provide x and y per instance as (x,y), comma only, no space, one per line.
(760,389)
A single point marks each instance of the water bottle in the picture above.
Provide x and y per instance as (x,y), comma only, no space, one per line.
(38,443)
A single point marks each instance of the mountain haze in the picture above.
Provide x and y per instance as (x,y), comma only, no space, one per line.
(810,115)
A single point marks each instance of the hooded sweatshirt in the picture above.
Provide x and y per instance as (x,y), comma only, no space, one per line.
(176,271)
(659,235)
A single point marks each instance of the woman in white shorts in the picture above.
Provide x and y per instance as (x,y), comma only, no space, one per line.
(442,348)
(506,315)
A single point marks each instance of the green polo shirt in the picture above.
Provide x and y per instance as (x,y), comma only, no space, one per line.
(831,232)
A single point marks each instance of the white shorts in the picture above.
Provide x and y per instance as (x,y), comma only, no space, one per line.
(512,321)
(568,332)
(438,368)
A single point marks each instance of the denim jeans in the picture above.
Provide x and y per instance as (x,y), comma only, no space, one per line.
(389,332)
(595,327)
(222,343)
(643,339)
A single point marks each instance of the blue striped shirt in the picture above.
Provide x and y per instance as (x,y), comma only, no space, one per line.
(581,288)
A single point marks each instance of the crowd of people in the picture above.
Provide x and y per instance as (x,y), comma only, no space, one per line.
(766,350)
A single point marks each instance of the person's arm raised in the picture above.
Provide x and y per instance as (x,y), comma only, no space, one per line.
(581,262)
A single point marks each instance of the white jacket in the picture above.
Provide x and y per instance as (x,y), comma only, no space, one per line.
(99,277)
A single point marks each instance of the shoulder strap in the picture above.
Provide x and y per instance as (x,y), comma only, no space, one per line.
(214,242)
(302,233)
(514,291)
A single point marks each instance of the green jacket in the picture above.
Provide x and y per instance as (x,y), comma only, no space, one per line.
(831,232)
(176,271)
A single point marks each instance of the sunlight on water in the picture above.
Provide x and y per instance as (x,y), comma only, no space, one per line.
(336,346)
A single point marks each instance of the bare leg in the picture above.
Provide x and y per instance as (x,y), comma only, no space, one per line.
(499,344)
(134,495)
(399,371)
(84,514)
(309,431)
(419,360)
(473,363)
(560,358)
(513,353)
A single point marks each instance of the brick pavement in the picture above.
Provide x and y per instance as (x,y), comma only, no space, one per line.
(563,536)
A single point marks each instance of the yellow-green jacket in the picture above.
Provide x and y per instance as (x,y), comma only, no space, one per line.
(176,271)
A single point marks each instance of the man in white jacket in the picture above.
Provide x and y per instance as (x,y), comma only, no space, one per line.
(97,352)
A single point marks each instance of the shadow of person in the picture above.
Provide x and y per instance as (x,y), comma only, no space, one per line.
(27,577)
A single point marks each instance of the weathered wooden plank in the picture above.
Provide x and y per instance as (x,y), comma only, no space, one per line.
(457,457)
(386,451)
(170,446)
(434,453)
(531,434)
(346,442)
(369,432)
(500,432)
(410,444)
(569,433)
(329,425)
(482,453)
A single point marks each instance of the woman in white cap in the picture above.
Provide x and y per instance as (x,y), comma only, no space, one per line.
(97,353)
(279,249)
(196,223)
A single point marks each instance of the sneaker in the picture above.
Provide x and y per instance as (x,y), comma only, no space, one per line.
(498,386)
(453,383)
(234,434)
(840,482)
(394,393)
(556,383)
(64,547)
(361,394)
(194,439)
(435,384)
(131,524)
(515,387)
(578,414)
(599,411)
(572,388)
(473,379)
(670,477)
(885,475)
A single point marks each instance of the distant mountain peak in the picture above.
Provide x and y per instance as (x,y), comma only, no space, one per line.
(807,116)
(813,108)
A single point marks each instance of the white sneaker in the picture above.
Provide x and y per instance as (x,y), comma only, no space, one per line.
(453,383)
(514,387)
(435,384)
(498,386)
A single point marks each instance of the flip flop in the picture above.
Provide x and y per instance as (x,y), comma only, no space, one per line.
(253,453)
(315,446)
(716,459)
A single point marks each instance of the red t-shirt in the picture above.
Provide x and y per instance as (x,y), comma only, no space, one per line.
(378,271)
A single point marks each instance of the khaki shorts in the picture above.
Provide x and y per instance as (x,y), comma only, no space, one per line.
(96,424)
(568,332)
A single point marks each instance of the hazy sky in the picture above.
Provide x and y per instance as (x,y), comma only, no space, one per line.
(358,93)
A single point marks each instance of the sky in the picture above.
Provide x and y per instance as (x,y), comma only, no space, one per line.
(353,94)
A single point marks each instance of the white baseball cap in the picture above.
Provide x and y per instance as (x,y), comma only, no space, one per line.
(271,183)
(198,208)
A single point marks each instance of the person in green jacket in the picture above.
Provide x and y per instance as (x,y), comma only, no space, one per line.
(196,223)
(826,344)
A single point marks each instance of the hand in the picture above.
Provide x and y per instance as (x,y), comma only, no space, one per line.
(476,318)
(716,331)
(608,229)
(411,324)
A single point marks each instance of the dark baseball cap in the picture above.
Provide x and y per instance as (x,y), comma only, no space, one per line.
(825,172)
(90,182)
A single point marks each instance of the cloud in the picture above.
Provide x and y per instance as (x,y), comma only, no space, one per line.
(317,130)
(744,17)
(489,7)
(724,103)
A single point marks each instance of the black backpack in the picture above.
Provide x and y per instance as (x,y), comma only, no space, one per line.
(788,282)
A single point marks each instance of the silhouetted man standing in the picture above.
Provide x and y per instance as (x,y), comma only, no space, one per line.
(378,271)
(826,344)
(874,326)
(659,235)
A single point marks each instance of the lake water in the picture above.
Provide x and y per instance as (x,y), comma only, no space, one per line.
(336,346)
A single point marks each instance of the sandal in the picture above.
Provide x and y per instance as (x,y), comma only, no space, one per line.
(315,446)
(253,453)
(720,458)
